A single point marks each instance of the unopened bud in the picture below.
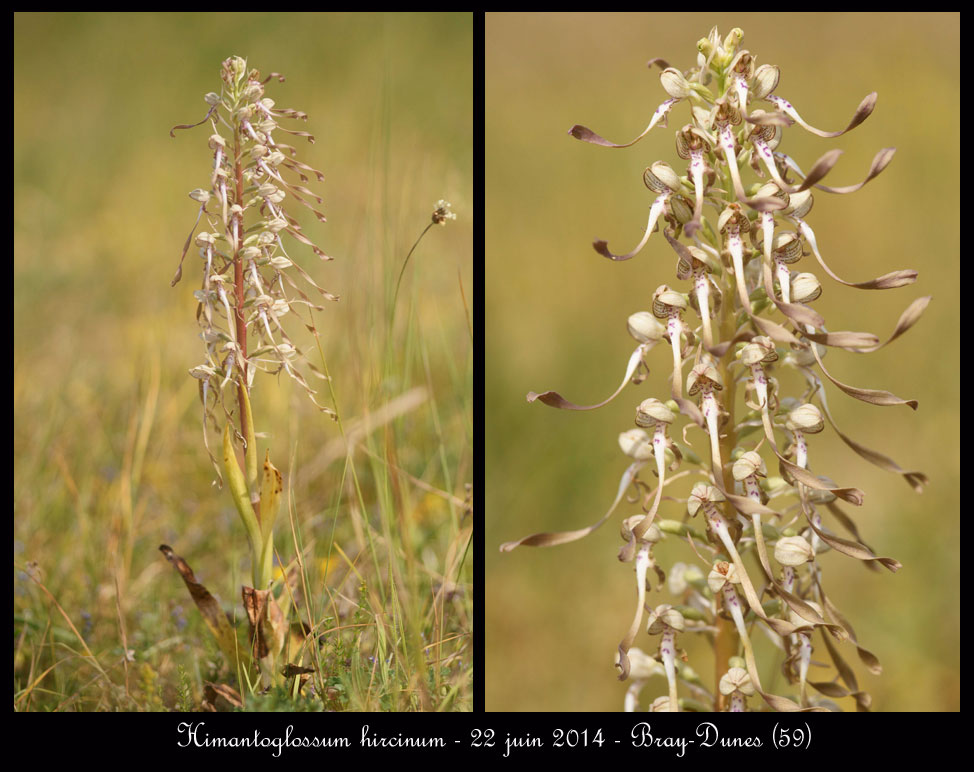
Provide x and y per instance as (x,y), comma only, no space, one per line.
(644,327)
(674,83)
(805,418)
(805,287)
(765,80)
(636,444)
(651,411)
(793,551)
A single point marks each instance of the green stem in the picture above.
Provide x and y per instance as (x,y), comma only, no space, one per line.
(392,313)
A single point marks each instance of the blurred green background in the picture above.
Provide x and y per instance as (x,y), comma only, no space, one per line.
(556,319)
(109,460)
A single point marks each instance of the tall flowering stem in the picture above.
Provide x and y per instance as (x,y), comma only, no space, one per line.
(737,221)
(249,284)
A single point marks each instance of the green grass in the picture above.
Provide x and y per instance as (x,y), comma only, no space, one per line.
(109,460)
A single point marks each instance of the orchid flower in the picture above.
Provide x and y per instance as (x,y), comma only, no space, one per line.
(737,241)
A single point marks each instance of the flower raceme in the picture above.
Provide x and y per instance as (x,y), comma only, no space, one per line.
(250,283)
(738,244)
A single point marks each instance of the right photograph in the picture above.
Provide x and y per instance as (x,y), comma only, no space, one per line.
(721,371)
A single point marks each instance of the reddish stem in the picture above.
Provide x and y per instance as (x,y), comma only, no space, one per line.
(238,283)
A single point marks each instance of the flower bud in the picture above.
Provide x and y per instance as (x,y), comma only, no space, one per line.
(805,418)
(799,204)
(653,534)
(661,178)
(676,582)
(680,209)
(636,444)
(280,262)
(644,327)
(787,247)
(252,92)
(665,300)
(759,350)
(733,39)
(651,411)
(202,372)
(706,47)
(660,705)
(641,665)
(765,80)
(674,83)
(793,551)
(805,287)
(236,68)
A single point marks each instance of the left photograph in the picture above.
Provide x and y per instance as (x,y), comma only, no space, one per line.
(243,362)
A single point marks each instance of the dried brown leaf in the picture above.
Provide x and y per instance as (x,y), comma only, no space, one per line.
(209,607)
(220,698)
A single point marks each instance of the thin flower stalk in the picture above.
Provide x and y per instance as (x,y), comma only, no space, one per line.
(739,239)
(441,213)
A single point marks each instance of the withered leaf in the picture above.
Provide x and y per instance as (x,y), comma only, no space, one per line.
(219,698)
(293,670)
(210,608)
(267,625)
